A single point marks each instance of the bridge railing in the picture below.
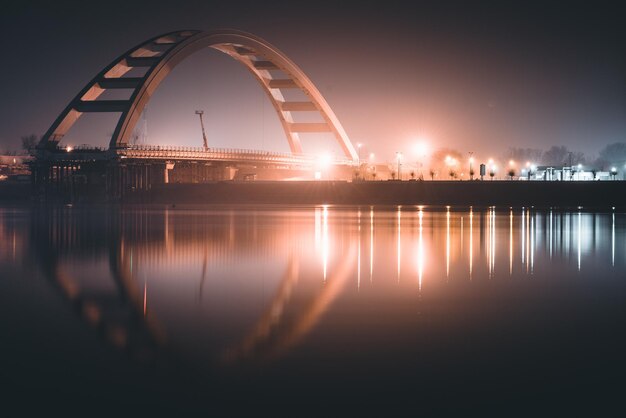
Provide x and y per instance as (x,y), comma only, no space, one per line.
(148,151)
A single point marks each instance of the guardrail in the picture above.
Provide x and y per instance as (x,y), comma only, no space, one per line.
(220,154)
(191,153)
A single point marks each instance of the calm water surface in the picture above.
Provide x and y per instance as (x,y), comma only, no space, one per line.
(311,310)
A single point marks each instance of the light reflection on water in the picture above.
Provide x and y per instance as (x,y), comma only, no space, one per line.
(242,287)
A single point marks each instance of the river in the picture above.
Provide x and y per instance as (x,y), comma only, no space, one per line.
(313,309)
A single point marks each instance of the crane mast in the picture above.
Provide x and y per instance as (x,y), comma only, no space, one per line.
(200,113)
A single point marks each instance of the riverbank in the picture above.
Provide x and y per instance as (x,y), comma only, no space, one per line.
(474,193)
(598,194)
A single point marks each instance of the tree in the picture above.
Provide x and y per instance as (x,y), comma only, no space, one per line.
(556,155)
(432,173)
(523,155)
(612,154)
(576,158)
(615,152)
(511,173)
(29,142)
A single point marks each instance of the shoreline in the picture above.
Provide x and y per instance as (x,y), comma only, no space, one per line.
(606,194)
(437,193)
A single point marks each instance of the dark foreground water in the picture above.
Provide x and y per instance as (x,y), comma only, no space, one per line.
(313,311)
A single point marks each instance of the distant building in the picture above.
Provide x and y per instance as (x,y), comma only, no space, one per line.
(564,173)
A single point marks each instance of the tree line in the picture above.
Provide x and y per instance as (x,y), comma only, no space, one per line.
(611,155)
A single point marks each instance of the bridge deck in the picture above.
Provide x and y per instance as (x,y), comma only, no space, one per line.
(167,153)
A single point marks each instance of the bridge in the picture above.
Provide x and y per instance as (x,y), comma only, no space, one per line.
(123,166)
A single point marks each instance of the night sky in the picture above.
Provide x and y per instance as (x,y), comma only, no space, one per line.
(473,78)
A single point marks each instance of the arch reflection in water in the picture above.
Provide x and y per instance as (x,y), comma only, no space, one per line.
(233,285)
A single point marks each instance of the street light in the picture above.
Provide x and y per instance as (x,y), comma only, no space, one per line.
(399,157)
(422,149)
(324,163)
(471,168)
(511,172)
(492,171)
(579,169)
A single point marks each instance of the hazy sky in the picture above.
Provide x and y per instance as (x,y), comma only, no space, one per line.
(476,78)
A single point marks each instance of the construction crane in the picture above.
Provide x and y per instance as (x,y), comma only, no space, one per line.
(200,113)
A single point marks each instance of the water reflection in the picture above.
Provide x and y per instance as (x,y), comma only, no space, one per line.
(238,285)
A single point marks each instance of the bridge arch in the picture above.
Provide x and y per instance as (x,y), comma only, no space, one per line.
(273,70)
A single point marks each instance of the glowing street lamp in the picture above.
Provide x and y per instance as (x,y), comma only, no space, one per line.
(421,149)
(324,163)
(577,171)
(511,172)
(451,162)
(471,168)
(399,158)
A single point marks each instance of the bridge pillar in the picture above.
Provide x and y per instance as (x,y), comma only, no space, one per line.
(168,166)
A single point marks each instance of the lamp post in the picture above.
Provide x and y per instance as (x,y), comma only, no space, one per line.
(471,168)
(399,157)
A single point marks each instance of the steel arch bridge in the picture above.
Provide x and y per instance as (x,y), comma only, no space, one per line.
(274,71)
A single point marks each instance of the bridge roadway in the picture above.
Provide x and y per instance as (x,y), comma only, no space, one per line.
(169,153)
(156,152)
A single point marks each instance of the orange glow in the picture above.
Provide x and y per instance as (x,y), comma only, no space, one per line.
(399,245)
(420,251)
(448,241)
